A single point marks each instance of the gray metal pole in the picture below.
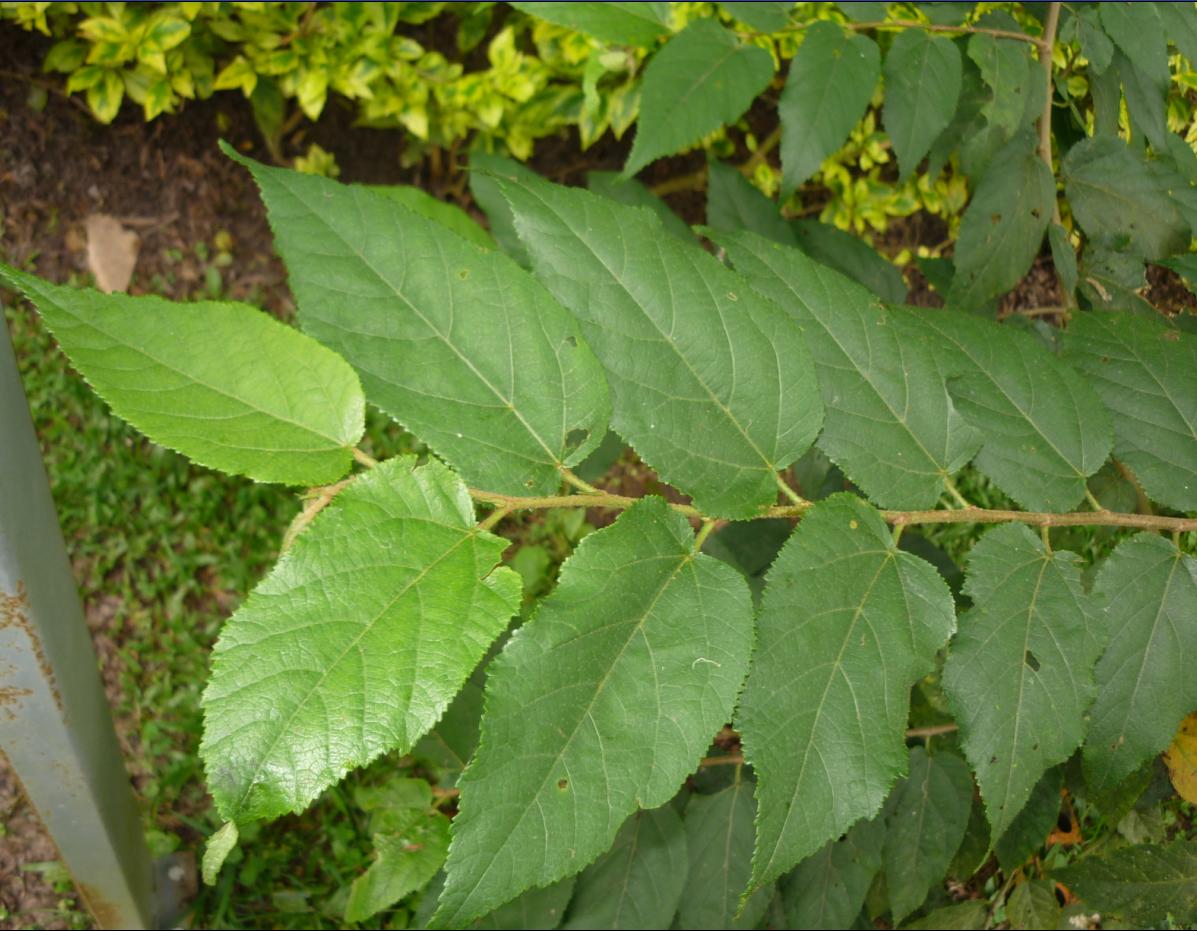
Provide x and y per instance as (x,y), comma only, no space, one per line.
(55,726)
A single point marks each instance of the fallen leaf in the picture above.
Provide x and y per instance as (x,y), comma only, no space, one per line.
(111,252)
(1181,759)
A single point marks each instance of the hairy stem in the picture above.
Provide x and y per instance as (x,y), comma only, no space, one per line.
(964,515)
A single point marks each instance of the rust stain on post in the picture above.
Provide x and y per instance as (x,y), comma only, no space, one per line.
(14,612)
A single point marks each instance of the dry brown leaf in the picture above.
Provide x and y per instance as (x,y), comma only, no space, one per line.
(111,252)
(1181,758)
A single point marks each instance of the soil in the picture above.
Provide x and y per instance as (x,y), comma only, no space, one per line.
(168,182)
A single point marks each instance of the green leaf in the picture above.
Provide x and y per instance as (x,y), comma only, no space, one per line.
(1148,884)
(455,342)
(831,80)
(850,256)
(762,16)
(922,84)
(712,384)
(217,850)
(849,623)
(965,916)
(1003,64)
(1146,100)
(1063,256)
(355,643)
(1033,905)
(735,203)
(926,817)
(703,78)
(719,838)
(451,743)
(223,383)
(1019,677)
(405,859)
(535,910)
(1114,194)
(600,704)
(483,166)
(104,96)
(1045,429)
(891,426)
(631,192)
(638,883)
(828,888)
(1146,373)
(1138,31)
(1003,227)
(448,215)
(1145,677)
(1085,25)
(1180,25)
(1029,830)
(636,24)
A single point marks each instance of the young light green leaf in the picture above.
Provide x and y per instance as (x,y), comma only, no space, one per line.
(631,192)
(1045,430)
(1028,832)
(719,840)
(638,883)
(832,78)
(712,384)
(926,820)
(849,623)
(355,643)
(922,84)
(217,850)
(828,888)
(636,24)
(735,203)
(600,704)
(1003,227)
(448,215)
(1032,905)
(1113,193)
(1147,884)
(455,342)
(223,383)
(1145,677)
(703,78)
(852,257)
(1019,677)
(1146,373)
(891,426)
(406,857)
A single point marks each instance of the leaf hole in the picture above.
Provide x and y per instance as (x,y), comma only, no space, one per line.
(574,439)
(1031,660)
(562,784)
(571,341)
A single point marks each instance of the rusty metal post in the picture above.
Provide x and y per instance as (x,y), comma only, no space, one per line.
(55,726)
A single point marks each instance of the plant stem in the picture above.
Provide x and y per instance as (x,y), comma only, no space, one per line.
(368,461)
(578,483)
(705,531)
(1046,45)
(789,492)
(964,515)
(931,27)
(493,518)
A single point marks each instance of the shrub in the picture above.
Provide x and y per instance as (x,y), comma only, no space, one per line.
(887,731)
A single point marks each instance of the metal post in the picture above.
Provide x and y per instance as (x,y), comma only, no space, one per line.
(55,726)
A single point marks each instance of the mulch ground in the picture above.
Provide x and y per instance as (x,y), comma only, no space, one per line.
(168,182)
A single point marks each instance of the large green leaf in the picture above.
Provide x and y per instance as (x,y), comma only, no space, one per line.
(1019,677)
(638,24)
(1045,430)
(763,16)
(719,840)
(1148,884)
(712,384)
(406,856)
(1005,67)
(828,888)
(1113,193)
(638,883)
(703,78)
(891,426)
(927,816)
(1028,832)
(222,383)
(849,623)
(1032,905)
(1145,677)
(831,80)
(631,192)
(600,704)
(849,255)
(1003,227)
(483,167)
(535,910)
(454,341)
(1146,373)
(922,84)
(448,215)
(356,641)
